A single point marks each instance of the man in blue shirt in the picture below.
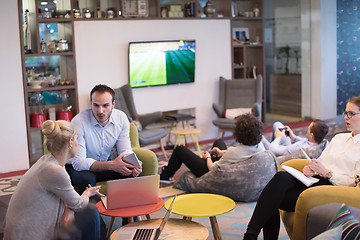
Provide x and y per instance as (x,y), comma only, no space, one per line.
(286,142)
(99,129)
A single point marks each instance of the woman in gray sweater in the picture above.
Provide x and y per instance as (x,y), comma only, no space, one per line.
(45,204)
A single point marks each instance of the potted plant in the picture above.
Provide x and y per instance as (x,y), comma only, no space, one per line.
(286,50)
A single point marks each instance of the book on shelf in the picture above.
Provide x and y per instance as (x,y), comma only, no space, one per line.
(308,181)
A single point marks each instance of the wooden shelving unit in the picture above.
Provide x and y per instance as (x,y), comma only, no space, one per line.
(39,66)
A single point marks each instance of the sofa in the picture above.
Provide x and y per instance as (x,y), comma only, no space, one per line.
(242,181)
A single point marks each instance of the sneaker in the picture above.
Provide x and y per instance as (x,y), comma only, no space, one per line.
(164,178)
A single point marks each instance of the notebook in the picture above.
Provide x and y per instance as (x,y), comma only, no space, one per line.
(145,233)
(131,192)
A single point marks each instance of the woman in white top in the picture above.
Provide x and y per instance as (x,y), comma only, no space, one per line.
(337,165)
(45,204)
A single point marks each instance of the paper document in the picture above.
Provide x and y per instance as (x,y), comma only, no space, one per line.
(308,181)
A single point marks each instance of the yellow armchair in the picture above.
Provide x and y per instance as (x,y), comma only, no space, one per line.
(295,222)
(147,157)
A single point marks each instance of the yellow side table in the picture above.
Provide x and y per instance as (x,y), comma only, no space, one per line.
(202,205)
(184,132)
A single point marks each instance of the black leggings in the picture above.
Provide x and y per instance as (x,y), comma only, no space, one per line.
(281,192)
(196,164)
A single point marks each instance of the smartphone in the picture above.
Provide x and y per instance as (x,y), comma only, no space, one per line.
(132,159)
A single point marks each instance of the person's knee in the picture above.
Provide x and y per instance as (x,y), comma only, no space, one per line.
(83,178)
(278,125)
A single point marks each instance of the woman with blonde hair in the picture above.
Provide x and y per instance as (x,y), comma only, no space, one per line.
(45,204)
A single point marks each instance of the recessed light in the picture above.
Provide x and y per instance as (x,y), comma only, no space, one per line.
(44,3)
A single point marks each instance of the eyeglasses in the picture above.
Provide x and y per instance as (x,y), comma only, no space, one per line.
(349,114)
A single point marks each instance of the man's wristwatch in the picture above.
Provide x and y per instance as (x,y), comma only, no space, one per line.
(328,174)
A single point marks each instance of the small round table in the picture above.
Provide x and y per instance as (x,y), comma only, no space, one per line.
(202,205)
(129,211)
(175,229)
(184,132)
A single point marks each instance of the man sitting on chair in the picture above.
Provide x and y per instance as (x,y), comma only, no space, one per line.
(99,129)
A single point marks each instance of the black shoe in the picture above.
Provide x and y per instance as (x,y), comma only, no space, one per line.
(164,178)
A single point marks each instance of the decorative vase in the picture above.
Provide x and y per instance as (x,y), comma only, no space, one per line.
(209,9)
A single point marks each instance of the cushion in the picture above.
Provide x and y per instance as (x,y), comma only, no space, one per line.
(242,181)
(331,234)
(234,112)
(349,222)
(313,152)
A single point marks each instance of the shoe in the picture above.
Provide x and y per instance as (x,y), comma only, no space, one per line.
(164,178)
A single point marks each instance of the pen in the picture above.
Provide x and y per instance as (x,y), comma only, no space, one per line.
(307,156)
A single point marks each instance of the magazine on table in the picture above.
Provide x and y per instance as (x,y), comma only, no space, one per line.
(308,181)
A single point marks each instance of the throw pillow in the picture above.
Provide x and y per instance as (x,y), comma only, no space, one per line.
(234,112)
(331,234)
(349,222)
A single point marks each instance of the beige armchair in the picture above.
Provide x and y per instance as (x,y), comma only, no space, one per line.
(295,222)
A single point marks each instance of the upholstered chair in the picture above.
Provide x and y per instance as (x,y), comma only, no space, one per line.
(295,222)
(237,93)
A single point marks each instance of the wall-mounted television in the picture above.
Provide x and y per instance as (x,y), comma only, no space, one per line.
(155,63)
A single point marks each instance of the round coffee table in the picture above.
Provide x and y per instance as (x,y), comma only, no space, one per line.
(202,205)
(174,229)
(129,211)
(184,132)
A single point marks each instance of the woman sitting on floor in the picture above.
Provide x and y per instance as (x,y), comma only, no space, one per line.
(248,133)
(337,165)
(45,204)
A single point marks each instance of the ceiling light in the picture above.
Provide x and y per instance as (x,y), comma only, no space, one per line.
(44,3)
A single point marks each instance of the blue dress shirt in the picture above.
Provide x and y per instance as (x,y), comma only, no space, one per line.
(95,142)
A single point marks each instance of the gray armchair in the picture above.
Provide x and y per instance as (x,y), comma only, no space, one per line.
(124,101)
(237,93)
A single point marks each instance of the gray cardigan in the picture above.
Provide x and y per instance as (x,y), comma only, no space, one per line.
(36,207)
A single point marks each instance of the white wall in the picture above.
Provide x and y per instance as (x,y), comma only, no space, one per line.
(102,57)
(323,59)
(13,140)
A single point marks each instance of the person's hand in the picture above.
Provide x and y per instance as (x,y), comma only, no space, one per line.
(122,167)
(206,155)
(136,171)
(308,172)
(278,133)
(218,152)
(291,133)
(92,191)
(318,167)
(68,218)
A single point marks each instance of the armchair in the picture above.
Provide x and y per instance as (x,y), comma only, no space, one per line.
(295,222)
(124,101)
(237,93)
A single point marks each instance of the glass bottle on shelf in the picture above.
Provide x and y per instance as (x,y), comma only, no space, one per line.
(37,109)
(43,46)
(27,34)
(65,112)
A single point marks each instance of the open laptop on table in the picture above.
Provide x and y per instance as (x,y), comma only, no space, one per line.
(146,233)
(131,192)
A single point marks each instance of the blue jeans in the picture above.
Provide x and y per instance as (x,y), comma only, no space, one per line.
(88,225)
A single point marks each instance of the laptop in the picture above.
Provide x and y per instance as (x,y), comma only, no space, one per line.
(131,192)
(145,233)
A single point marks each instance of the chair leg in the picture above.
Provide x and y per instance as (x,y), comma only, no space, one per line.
(219,133)
(163,150)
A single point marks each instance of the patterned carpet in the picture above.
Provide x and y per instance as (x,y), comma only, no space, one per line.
(232,225)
